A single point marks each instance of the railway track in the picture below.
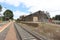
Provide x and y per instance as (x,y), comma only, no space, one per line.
(25,34)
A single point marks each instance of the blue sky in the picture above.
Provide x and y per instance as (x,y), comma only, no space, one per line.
(21,7)
(24,7)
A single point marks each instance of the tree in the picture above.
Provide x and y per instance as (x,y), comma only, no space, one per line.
(57,17)
(0,8)
(53,18)
(48,15)
(0,12)
(8,14)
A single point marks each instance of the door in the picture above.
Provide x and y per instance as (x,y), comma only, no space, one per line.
(35,19)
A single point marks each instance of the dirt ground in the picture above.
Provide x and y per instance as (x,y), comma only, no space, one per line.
(11,35)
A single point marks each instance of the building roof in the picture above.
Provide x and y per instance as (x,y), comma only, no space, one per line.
(38,12)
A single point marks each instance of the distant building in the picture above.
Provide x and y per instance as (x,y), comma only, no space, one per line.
(38,16)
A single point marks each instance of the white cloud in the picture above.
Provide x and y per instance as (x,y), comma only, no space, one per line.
(18,13)
(3,10)
(12,2)
(42,4)
(54,13)
(46,5)
(1,0)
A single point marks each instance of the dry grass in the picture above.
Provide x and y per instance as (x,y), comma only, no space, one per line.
(50,31)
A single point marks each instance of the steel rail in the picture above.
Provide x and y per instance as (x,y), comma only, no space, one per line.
(33,34)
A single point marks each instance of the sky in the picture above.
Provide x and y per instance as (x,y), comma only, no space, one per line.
(24,7)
